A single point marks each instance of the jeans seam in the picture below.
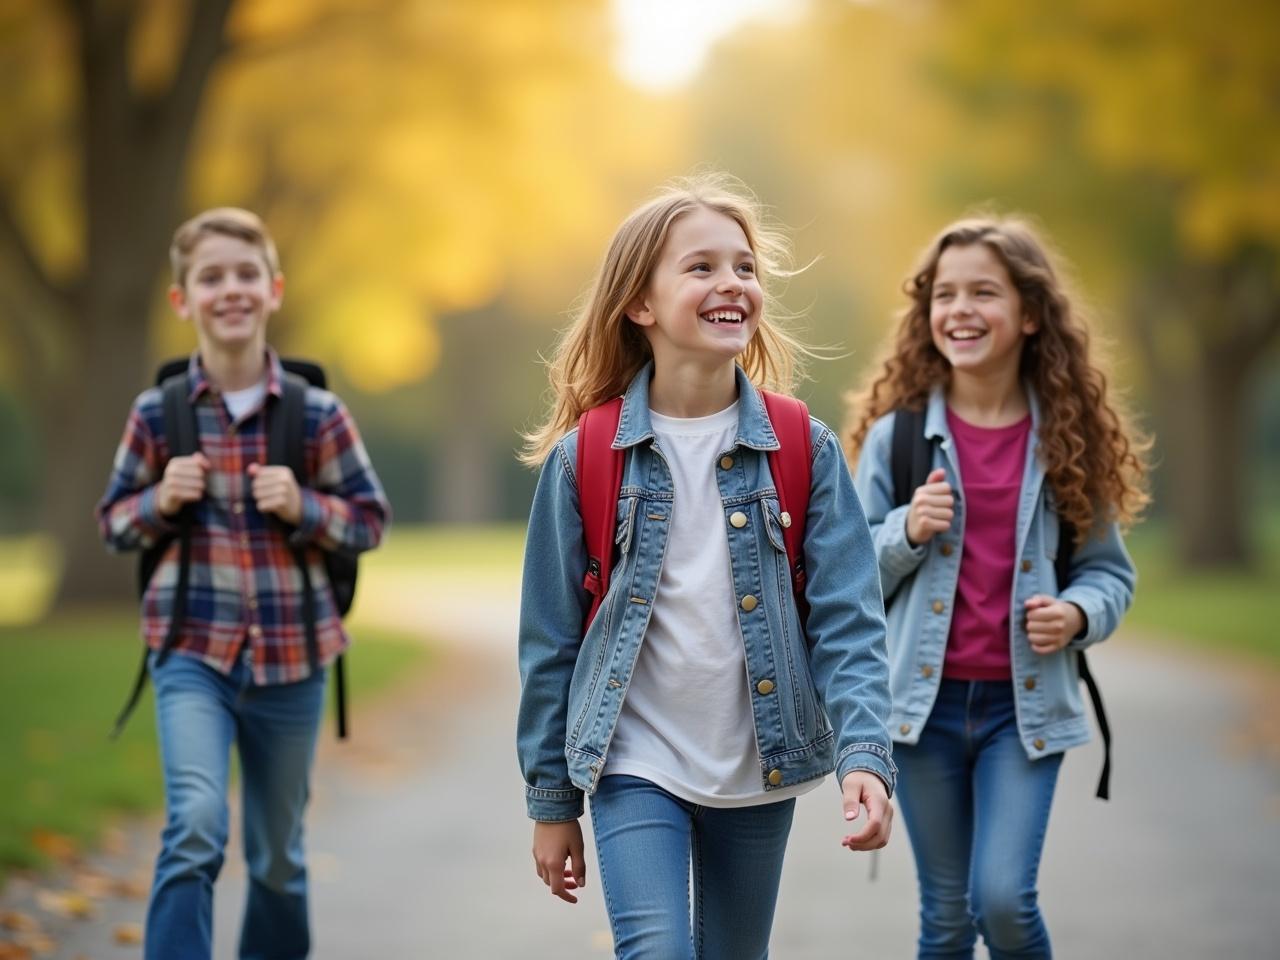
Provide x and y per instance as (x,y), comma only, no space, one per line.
(695,846)
(604,883)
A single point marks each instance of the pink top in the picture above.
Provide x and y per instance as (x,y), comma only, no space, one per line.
(991,460)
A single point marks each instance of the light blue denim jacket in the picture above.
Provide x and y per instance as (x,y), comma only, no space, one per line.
(920,584)
(573,686)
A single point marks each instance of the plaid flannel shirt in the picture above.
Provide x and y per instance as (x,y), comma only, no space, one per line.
(244,583)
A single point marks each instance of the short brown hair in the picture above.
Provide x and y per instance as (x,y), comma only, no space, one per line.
(223,221)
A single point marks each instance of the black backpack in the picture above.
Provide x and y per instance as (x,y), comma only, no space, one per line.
(910,459)
(286,442)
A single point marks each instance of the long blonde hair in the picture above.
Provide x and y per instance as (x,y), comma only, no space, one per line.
(602,351)
(1094,455)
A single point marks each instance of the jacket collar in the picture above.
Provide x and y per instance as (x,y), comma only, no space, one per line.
(754,429)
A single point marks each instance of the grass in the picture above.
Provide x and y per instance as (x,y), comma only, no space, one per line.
(61,684)
(1228,612)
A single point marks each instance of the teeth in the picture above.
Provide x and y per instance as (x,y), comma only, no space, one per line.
(966,334)
(723,316)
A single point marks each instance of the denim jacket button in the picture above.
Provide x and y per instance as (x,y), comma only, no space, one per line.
(1026,566)
(765,687)
(749,603)
(926,671)
(905,728)
(784,518)
(945,549)
(775,777)
(726,463)
(1038,743)
(738,519)
(938,606)
(1030,683)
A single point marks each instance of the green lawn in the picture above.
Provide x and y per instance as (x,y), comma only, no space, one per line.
(1226,612)
(61,684)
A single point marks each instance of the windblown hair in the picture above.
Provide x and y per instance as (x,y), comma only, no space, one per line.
(601,351)
(1095,458)
(220,221)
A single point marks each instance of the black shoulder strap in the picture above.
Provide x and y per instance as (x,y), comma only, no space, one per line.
(182,439)
(286,446)
(911,454)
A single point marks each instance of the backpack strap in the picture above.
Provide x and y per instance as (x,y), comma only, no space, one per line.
(182,438)
(1062,570)
(791,466)
(911,455)
(599,469)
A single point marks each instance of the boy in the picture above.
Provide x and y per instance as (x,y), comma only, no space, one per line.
(238,670)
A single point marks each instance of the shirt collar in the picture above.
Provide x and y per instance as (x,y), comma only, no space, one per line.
(635,424)
(200,382)
(935,418)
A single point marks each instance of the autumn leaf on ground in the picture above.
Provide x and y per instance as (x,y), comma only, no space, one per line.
(13,951)
(18,921)
(55,846)
(127,934)
(66,903)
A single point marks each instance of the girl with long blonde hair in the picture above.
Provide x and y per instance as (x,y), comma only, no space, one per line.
(1030,456)
(698,702)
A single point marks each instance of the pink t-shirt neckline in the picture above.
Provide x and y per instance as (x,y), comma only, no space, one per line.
(992,461)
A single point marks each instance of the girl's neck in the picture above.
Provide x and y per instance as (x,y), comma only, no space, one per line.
(692,390)
(237,370)
(987,401)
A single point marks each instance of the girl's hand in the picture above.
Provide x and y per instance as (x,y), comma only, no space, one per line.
(862,788)
(1051,623)
(932,508)
(182,483)
(553,844)
(275,490)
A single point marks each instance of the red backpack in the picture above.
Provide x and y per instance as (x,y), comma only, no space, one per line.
(600,482)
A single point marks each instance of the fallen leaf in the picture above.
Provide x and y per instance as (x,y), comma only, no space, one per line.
(17,920)
(55,846)
(127,934)
(13,951)
(66,903)
(136,887)
(41,944)
(93,884)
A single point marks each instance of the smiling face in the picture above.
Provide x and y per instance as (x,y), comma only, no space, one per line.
(702,302)
(228,294)
(975,313)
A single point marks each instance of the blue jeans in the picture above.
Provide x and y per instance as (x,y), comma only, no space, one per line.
(976,809)
(199,714)
(647,840)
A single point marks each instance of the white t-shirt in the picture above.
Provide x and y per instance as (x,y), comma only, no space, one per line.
(241,402)
(686,722)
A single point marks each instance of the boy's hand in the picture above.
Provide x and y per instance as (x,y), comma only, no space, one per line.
(275,490)
(182,483)
(861,788)
(932,508)
(553,844)
(1051,623)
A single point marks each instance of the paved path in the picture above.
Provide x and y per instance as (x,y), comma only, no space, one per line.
(420,846)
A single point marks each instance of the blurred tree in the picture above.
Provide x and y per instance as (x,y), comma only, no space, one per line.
(1151,127)
(415,160)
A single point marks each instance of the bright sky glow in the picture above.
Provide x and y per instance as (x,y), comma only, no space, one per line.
(662,43)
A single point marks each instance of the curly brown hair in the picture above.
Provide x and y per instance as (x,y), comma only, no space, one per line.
(1095,458)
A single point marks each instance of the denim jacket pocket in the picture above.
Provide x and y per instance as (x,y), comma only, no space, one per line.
(625,523)
(772,511)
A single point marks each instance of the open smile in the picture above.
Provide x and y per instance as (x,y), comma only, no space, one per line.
(724,316)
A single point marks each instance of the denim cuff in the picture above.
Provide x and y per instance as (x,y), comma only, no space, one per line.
(871,757)
(897,555)
(553,806)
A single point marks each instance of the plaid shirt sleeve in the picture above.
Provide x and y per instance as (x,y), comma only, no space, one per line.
(128,516)
(345,509)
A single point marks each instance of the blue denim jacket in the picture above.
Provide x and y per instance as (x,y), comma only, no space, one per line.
(920,583)
(573,686)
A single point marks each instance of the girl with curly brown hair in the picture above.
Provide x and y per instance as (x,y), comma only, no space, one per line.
(1029,456)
